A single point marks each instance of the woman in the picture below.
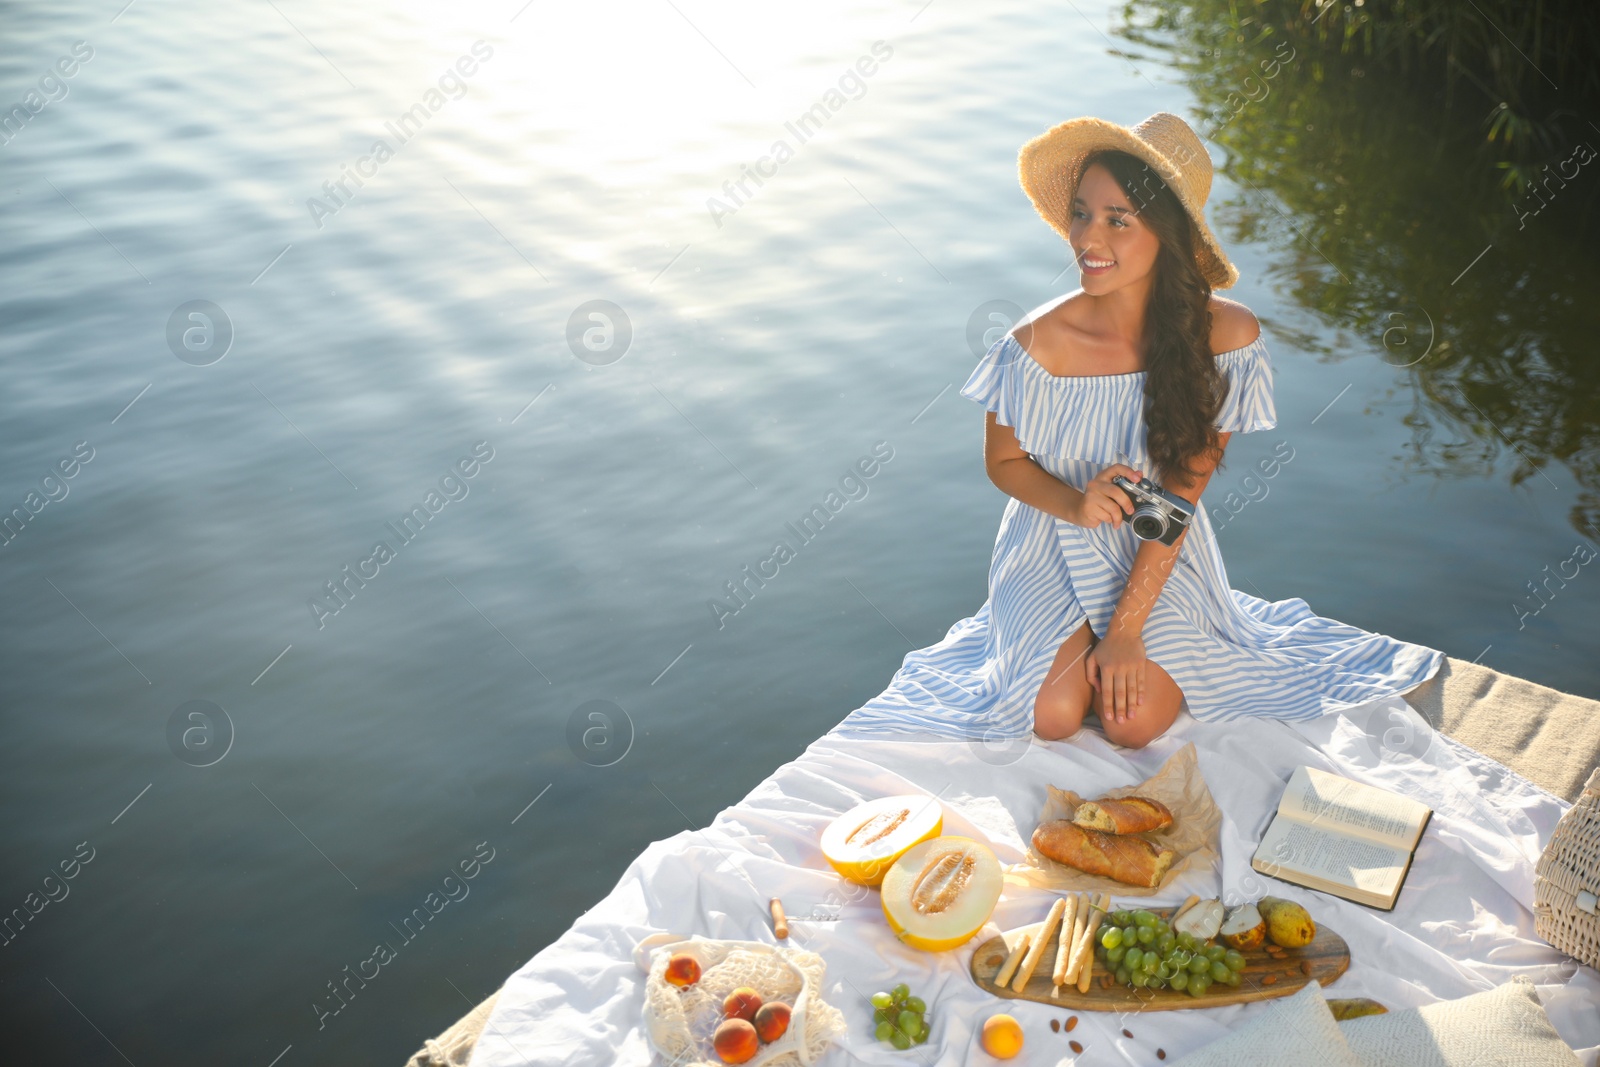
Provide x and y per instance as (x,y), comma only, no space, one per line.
(1140,373)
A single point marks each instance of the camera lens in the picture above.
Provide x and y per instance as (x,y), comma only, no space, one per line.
(1148,523)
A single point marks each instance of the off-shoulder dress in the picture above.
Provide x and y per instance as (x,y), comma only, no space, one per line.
(1232,654)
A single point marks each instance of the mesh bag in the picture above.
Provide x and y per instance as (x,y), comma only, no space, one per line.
(1566,884)
(680,1021)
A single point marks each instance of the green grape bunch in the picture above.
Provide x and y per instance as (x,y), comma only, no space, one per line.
(899,1018)
(1143,952)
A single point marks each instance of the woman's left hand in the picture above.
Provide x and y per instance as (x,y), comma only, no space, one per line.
(1116,668)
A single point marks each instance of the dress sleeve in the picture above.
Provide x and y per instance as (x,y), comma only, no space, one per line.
(988,383)
(1249,403)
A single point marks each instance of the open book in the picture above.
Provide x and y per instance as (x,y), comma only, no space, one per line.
(1341,837)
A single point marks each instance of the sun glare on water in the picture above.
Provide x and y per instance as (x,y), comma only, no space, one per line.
(668,98)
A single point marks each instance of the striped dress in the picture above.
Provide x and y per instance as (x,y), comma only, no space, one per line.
(1230,653)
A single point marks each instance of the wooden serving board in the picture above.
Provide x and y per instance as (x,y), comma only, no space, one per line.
(1328,956)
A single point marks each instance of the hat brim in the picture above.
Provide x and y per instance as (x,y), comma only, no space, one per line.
(1050,165)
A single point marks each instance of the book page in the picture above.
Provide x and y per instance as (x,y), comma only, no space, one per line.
(1345,861)
(1341,805)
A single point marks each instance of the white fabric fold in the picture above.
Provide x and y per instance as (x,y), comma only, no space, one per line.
(1462,923)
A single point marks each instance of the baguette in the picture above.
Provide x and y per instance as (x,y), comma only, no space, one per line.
(1130,860)
(1129,815)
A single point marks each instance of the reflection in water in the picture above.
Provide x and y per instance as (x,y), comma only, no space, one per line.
(1387,233)
(215,408)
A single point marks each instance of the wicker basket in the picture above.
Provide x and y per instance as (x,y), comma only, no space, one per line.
(1566,883)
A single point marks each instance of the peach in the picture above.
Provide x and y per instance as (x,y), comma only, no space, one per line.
(772,1021)
(682,969)
(742,1003)
(735,1041)
(1002,1037)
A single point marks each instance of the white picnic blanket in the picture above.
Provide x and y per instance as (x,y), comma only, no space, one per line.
(1462,923)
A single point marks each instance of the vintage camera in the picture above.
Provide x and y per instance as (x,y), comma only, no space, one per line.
(1157,514)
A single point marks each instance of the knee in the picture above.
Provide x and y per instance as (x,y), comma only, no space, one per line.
(1056,720)
(1144,727)
(1131,734)
(1056,730)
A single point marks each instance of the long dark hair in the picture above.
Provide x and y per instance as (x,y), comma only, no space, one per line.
(1183,387)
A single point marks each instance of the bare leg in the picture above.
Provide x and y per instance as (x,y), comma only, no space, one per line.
(1148,721)
(1063,698)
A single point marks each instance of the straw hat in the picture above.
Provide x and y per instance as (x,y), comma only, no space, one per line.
(1050,165)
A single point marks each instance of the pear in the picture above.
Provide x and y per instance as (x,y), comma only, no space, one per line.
(1243,929)
(1288,924)
(1200,922)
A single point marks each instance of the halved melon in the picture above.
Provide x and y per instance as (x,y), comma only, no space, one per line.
(865,841)
(941,892)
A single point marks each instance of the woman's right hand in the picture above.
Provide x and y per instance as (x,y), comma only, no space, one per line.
(1101,501)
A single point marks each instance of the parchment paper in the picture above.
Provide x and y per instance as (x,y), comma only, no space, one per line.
(1195,834)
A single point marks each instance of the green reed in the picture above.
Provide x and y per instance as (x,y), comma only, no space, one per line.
(1412,217)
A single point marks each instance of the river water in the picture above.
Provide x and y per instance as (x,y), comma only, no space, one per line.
(477,281)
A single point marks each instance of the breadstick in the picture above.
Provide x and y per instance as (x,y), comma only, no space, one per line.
(1088,964)
(1058,977)
(1009,968)
(1030,963)
(1083,948)
(1077,935)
